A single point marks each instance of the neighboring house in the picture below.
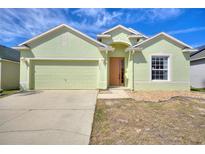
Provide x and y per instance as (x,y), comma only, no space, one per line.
(9,68)
(65,58)
(198,68)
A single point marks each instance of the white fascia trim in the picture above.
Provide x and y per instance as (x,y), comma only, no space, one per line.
(138,33)
(104,36)
(120,26)
(135,36)
(9,60)
(197,59)
(166,35)
(94,59)
(21,48)
(42,34)
(189,50)
(58,27)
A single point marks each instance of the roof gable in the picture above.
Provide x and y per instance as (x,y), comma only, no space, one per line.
(130,30)
(162,34)
(80,34)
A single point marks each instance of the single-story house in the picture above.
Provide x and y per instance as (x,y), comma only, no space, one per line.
(9,68)
(65,58)
(197,62)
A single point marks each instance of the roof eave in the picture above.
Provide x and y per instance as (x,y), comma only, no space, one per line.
(135,36)
(61,26)
(189,50)
(123,27)
(21,48)
(166,35)
(197,59)
(104,36)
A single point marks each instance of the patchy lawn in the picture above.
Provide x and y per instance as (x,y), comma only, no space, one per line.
(179,120)
(8,92)
(156,96)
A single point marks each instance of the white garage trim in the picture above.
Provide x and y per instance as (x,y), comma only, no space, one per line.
(95,59)
(66,76)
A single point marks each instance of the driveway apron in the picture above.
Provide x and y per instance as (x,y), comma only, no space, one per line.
(47,117)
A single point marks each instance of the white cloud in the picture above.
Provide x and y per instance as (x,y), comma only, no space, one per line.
(163,14)
(98,16)
(93,12)
(188,30)
(151,15)
(25,23)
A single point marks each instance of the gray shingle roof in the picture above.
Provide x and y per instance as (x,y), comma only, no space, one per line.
(9,53)
(200,54)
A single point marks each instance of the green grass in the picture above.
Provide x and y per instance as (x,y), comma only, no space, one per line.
(4,93)
(198,89)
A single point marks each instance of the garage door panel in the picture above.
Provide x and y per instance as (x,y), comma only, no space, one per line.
(65,75)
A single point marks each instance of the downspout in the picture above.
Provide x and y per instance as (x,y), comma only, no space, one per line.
(106,63)
(28,75)
(133,70)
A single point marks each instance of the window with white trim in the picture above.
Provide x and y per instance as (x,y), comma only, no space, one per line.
(160,67)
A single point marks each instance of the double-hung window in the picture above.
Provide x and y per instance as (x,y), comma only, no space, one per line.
(160,67)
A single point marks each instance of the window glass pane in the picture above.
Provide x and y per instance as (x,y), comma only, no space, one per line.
(157,64)
(165,75)
(161,77)
(159,68)
(153,75)
(161,64)
(164,66)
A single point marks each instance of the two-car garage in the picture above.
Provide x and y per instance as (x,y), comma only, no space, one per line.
(63,58)
(64,74)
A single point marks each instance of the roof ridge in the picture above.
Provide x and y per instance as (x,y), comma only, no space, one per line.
(60,26)
(164,34)
(125,28)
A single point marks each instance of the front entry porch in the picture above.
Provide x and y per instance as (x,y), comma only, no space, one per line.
(114,93)
(119,67)
(117,70)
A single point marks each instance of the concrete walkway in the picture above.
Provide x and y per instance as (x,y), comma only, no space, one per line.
(47,117)
(113,93)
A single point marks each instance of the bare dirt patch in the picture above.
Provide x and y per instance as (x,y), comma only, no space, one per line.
(180,120)
(156,96)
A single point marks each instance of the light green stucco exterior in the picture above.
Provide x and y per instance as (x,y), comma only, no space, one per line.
(9,74)
(63,44)
(66,48)
(179,67)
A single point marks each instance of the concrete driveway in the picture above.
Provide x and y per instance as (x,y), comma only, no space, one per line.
(47,117)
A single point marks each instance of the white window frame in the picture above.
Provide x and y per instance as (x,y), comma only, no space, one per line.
(169,67)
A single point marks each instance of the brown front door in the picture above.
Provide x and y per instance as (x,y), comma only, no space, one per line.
(116,71)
